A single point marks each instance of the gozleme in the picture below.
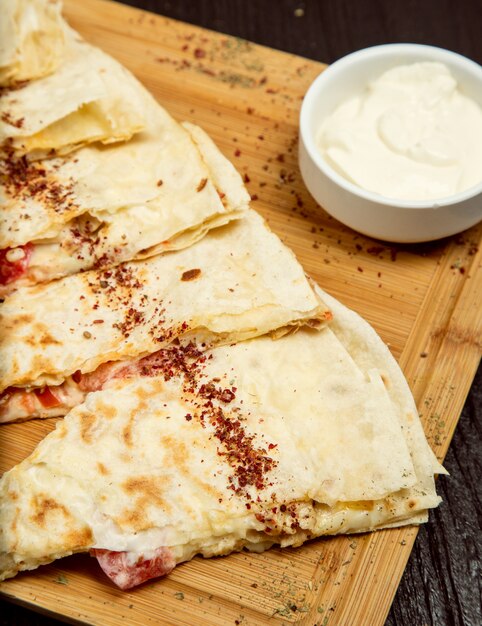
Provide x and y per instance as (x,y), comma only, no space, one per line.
(98,207)
(32,39)
(238,282)
(209,451)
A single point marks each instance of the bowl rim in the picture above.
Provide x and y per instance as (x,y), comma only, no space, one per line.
(363,54)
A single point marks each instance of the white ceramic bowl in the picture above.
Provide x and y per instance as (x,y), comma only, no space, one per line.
(367,212)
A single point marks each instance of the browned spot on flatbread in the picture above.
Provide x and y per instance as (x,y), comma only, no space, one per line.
(127,433)
(149,492)
(44,507)
(149,487)
(127,430)
(106,410)
(178,453)
(206,487)
(78,538)
(156,385)
(23,318)
(102,469)
(191,274)
(61,430)
(135,519)
(179,459)
(88,421)
(40,364)
(47,340)
(141,393)
(12,495)
(13,529)
(14,366)
(412,504)
(385,380)
(18,320)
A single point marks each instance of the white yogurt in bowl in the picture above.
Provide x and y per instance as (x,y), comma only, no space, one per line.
(401,204)
(410,134)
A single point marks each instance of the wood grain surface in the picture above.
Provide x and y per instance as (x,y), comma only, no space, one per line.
(417,297)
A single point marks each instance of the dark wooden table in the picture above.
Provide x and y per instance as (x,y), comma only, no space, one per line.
(441,585)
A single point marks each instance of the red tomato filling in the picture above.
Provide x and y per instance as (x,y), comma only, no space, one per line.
(13,270)
(46,397)
(92,381)
(127,572)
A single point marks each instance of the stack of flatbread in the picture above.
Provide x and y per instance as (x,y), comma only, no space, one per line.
(212,398)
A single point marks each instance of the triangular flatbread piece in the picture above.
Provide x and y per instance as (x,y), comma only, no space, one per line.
(32,39)
(90,97)
(161,191)
(238,282)
(210,451)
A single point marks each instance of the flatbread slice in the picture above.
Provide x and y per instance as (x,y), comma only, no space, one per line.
(238,282)
(89,98)
(365,347)
(32,39)
(161,191)
(206,452)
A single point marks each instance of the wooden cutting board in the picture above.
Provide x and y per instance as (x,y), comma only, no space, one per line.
(424,300)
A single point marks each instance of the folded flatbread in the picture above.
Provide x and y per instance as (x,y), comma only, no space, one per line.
(32,39)
(161,191)
(209,451)
(238,282)
(366,348)
(90,97)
